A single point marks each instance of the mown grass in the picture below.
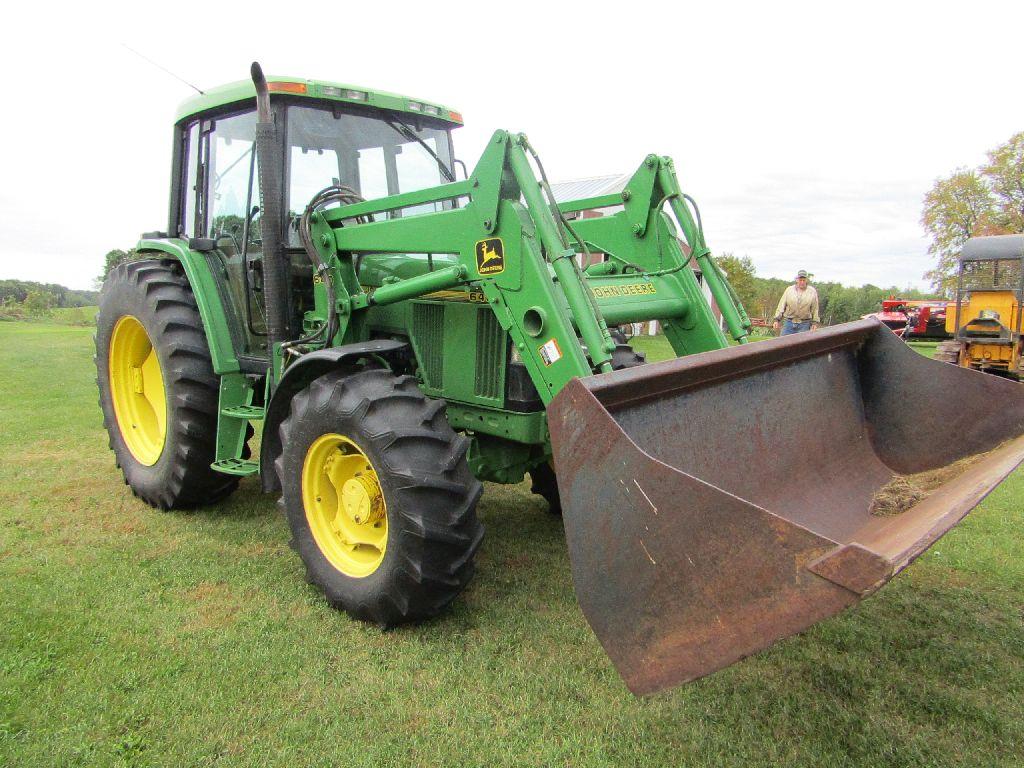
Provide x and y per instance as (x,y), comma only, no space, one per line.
(73,316)
(134,637)
(926,348)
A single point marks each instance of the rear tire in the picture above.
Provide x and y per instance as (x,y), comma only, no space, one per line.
(170,467)
(392,447)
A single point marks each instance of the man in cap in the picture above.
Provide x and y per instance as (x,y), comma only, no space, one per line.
(798,307)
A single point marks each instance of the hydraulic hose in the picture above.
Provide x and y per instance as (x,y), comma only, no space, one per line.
(740,309)
(563,227)
(332,194)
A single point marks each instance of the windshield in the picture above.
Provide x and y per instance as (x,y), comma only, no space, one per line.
(376,156)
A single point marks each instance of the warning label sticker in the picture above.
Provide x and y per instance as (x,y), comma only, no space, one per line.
(550,352)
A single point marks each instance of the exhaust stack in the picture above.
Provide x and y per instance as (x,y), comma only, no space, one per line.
(275,265)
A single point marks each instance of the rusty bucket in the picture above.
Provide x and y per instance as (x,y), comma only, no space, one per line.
(716,503)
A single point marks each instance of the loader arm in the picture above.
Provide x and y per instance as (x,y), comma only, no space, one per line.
(714,503)
(556,315)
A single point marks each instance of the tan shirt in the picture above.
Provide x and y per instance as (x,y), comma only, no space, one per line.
(798,306)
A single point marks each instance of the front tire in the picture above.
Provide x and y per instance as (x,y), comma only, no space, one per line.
(158,391)
(378,495)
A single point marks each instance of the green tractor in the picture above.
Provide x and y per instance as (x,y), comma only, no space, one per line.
(403,334)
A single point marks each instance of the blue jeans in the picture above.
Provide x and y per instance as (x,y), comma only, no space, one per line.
(788,327)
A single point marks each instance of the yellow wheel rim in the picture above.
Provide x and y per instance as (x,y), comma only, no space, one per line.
(344,505)
(137,390)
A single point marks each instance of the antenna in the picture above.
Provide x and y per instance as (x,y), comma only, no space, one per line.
(165,69)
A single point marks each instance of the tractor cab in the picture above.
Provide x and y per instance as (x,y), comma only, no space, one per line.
(376,144)
(985,319)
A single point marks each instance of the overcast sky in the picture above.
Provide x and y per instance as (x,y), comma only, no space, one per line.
(808,133)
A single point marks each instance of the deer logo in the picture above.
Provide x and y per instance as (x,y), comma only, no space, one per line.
(490,256)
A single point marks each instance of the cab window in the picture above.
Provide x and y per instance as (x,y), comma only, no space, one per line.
(376,155)
(231,178)
(189,179)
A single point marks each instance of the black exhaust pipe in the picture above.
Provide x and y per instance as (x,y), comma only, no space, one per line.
(275,266)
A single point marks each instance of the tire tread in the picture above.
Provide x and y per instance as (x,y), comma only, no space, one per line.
(186,478)
(430,492)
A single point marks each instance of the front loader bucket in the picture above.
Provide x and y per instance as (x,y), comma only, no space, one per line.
(716,503)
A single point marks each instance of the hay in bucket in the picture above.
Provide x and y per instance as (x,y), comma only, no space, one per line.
(896,496)
(904,491)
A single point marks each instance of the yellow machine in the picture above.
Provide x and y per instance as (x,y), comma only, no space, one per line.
(985,318)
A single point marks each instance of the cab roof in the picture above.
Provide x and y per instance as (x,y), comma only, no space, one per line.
(323,90)
(993,247)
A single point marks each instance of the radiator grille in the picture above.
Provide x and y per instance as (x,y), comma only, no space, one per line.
(490,351)
(428,327)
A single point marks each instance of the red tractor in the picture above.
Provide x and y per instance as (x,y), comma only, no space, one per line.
(913,318)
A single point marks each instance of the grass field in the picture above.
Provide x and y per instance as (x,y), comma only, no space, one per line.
(134,637)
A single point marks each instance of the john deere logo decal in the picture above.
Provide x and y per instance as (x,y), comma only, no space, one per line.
(490,256)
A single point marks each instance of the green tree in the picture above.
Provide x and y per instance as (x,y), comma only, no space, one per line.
(229,225)
(768,291)
(1004,173)
(740,273)
(955,208)
(112,259)
(985,201)
(39,303)
(10,309)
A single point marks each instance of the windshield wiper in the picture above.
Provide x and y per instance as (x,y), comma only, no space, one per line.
(404,130)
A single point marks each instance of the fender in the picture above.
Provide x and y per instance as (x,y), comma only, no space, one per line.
(297,377)
(216,323)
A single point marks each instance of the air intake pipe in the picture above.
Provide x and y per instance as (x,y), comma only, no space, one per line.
(275,265)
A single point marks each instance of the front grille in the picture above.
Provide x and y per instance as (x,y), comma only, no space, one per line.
(428,328)
(490,354)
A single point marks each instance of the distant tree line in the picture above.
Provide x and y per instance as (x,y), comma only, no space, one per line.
(987,200)
(20,291)
(837,303)
(38,301)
